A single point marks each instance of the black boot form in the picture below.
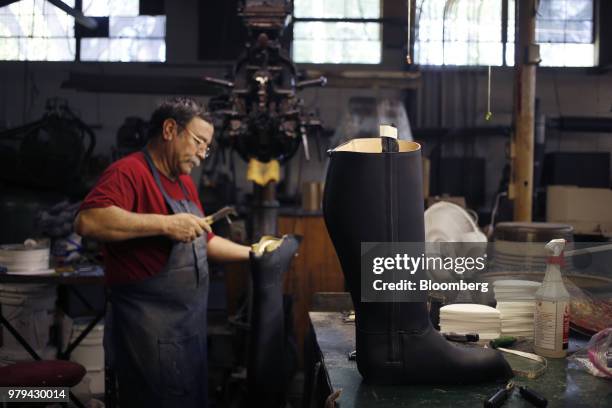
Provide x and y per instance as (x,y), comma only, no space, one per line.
(266,376)
(373,193)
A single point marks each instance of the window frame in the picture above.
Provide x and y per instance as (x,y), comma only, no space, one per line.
(505,13)
(380,21)
(78,5)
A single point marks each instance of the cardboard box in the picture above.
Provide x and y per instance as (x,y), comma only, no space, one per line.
(588,210)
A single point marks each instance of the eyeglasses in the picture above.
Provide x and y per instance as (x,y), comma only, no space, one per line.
(199,142)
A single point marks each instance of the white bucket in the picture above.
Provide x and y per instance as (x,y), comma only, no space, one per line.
(10,356)
(90,354)
(97,381)
(30,309)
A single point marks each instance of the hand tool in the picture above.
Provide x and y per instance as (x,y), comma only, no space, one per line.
(225,212)
(497,400)
(462,338)
(533,397)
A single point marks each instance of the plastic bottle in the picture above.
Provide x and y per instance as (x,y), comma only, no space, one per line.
(551,317)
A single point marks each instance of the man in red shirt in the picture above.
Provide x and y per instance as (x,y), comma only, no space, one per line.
(145,208)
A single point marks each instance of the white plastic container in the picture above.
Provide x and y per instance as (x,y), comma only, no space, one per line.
(90,354)
(551,317)
(30,309)
(97,381)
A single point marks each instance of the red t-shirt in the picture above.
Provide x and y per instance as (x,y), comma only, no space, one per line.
(129,184)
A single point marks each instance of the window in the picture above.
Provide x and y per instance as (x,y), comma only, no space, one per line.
(131,37)
(337,32)
(564,30)
(458,32)
(35,30)
(468,32)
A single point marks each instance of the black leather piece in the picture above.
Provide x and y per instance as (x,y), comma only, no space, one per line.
(377,197)
(268,357)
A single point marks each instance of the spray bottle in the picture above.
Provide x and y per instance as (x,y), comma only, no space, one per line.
(551,317)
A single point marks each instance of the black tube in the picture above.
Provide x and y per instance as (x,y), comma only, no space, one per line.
(581,124)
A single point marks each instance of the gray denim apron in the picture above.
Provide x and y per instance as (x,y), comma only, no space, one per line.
(158,326)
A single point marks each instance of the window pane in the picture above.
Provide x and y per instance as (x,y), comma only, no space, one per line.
(50,49)
(336,8)
(471,32)
(336,52)
(320,42)
(123,49)
(104,8)
(361,8)
(132,38)
(138,27)
(9,48)
(15,26)
(567,55)
(564,29)
(37,49)
(565,21)
(52,23)
(428,30)
(580,9)
(96,8)
(550,31)
(338,31)
(94,49)
(566,9)
(579,32)
(551,10)
(429,53)
(36,30)
(29,18)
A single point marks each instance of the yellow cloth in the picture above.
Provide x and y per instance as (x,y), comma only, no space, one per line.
(263,173)
(267,243)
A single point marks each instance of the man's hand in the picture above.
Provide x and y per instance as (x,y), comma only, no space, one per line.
(185,227)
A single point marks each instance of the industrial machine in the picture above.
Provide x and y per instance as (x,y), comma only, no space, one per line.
(259,115)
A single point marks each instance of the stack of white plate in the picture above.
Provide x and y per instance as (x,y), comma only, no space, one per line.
(465,318)
(31,258)
(516,303)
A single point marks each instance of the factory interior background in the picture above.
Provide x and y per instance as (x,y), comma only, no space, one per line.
(455,96)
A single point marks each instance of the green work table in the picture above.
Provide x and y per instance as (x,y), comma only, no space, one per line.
(562,387)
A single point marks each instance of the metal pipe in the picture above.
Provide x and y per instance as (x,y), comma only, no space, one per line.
(408,43)
(581,124)
(86,22)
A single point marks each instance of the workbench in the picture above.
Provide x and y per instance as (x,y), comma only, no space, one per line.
(563,387)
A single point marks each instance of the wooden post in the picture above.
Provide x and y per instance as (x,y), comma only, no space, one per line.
(526,58)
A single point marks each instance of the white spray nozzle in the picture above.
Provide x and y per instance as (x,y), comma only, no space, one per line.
(555,247)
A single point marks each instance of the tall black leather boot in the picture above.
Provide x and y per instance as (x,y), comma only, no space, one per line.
(373,193)
(267,362)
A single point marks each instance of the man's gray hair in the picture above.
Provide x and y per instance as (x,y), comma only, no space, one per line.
(181,109)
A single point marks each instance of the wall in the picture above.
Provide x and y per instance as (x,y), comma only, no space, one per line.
(456,98)
(447,97)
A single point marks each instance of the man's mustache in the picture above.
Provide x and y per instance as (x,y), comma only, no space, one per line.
(195,160)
